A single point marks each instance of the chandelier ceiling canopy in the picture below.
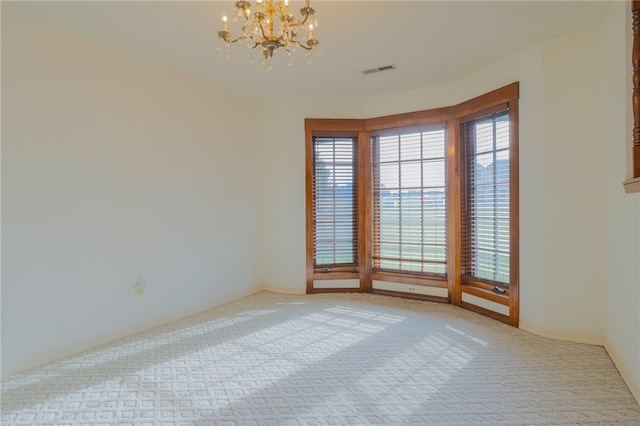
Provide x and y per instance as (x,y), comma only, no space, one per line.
(259,28)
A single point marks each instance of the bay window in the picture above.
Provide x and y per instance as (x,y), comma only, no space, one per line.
(426,199)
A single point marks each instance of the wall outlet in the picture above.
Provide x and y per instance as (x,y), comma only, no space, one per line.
(139,287)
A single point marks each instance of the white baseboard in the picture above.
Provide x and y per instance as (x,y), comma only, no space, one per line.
(282,290)
(77,348)
(633,386)
(588,339)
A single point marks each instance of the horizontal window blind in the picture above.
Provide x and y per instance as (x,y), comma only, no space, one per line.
(409,196)
(486,199)
(335,204)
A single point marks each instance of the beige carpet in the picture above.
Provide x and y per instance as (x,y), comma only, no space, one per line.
(336,359)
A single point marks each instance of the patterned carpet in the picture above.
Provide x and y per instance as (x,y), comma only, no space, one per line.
(329,359)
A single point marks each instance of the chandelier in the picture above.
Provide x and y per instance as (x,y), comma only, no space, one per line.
(259,29)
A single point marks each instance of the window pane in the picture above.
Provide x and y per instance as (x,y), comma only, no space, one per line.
(502,132)
(502,166)
(433,175)
(411,146)
(389,149)
(389,176)
(410,175)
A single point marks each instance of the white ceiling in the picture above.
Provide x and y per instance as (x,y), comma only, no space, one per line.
(431,42)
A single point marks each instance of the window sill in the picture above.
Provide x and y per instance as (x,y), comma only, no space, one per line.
(483,293)
(632,185)
(407,278)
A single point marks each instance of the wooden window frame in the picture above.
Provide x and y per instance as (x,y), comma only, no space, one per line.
(485,289)
(633,184)
(331,127)
(452,116)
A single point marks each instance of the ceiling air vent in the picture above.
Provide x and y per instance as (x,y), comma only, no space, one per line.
(379,69)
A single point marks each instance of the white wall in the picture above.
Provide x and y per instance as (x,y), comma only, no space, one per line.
(622,211)
(114,168)
(573,176)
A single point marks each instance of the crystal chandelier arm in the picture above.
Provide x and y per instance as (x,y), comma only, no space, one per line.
(309,45)
(226,36)
(264,36)
(255,43)
(306,12)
